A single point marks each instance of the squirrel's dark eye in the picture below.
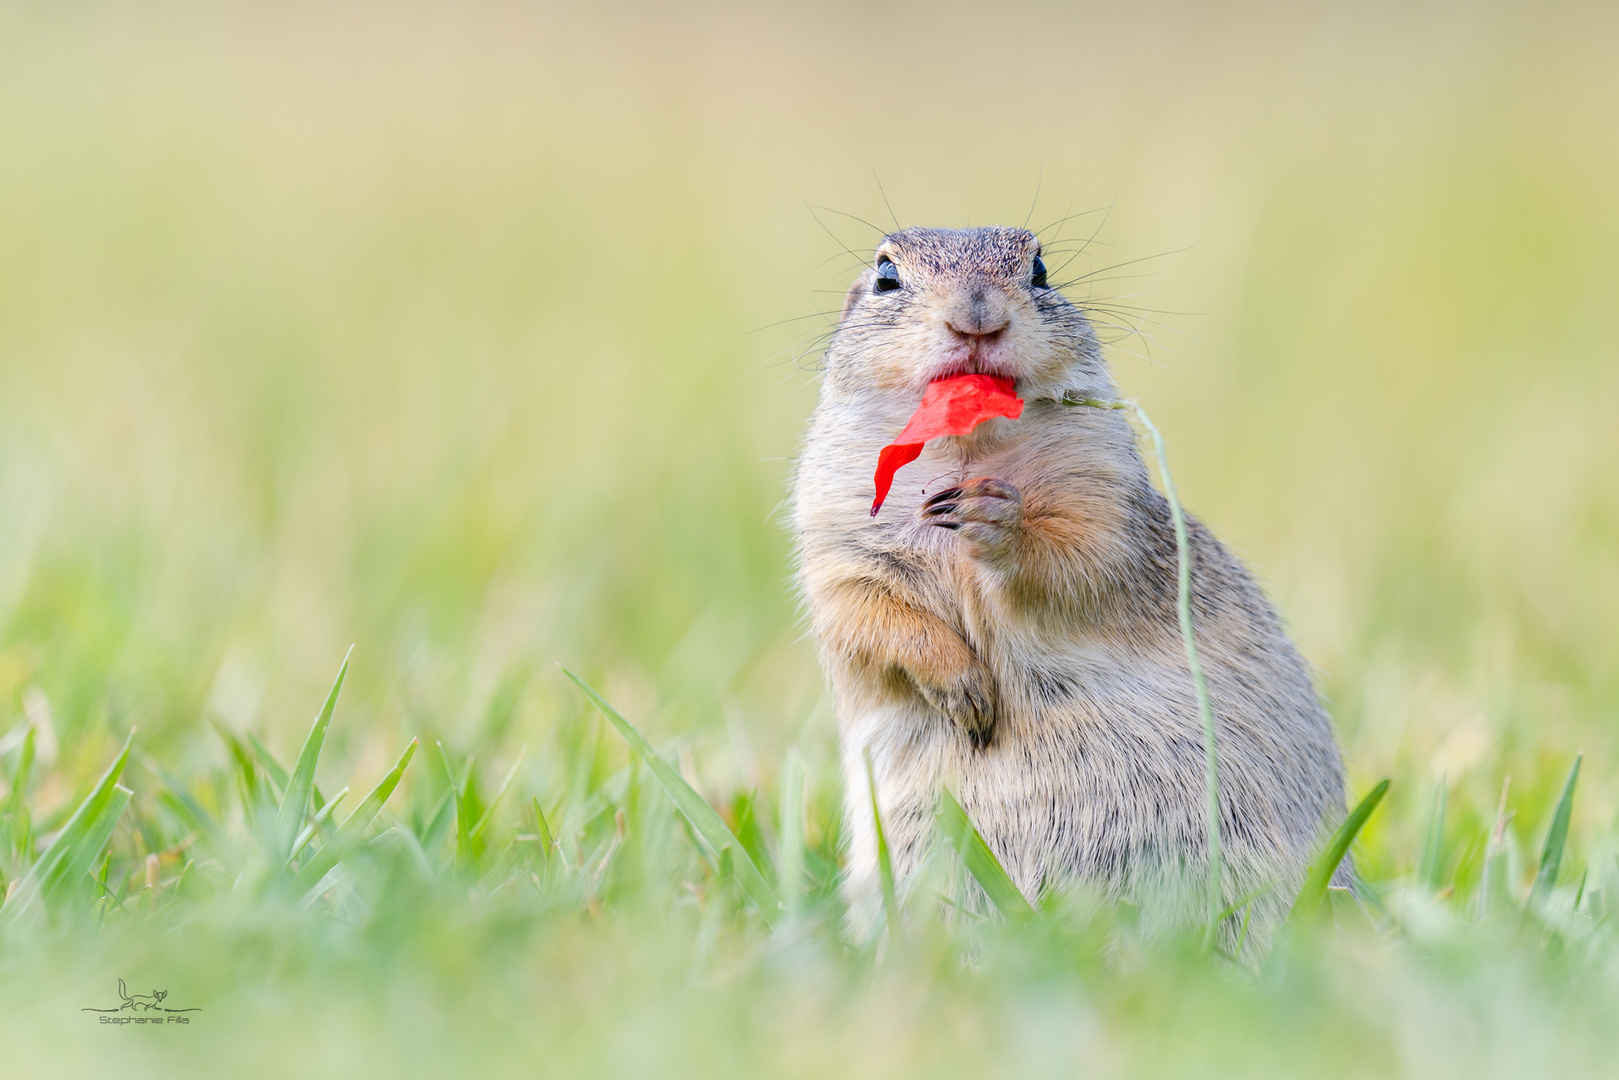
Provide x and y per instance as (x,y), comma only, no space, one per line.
(887,275)
(1039,279)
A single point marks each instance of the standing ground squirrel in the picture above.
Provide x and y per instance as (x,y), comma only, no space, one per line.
(1007,625)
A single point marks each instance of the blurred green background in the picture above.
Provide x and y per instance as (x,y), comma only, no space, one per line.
(482,335)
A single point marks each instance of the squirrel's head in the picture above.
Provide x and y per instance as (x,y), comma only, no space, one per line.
(943,302)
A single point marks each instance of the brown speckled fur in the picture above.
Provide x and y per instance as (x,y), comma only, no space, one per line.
(1020,643)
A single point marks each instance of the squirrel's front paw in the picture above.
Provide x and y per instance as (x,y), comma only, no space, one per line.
(968,700)
(986,512)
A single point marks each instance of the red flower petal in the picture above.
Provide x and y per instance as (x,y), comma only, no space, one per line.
(949,407)
(889,461)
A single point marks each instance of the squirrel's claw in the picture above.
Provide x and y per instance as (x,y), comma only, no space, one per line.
(986,512)
(968,702)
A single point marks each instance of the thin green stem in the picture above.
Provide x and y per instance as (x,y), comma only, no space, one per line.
(1183,604)
(885,865)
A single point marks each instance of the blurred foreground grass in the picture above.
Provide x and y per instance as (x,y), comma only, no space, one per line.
(479,338)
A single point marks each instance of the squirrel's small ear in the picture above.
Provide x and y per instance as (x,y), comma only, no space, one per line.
(861,286)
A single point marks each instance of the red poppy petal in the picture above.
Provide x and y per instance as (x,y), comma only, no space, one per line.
(956,406)
(889,460)
(949,407)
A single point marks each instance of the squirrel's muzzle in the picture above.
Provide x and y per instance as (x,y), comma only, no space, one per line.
(978,310)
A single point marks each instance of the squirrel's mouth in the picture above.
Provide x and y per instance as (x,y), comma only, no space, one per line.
(972,365)
(978,354)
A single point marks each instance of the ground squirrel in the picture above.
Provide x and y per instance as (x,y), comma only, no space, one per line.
(1007,625)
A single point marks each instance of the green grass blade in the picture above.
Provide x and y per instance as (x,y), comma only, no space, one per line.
(309,830)
(1551,853)
(1183,606)
(489,810)
(438,822)
(363,814)
(709,825)
(1311,896)
(885,862)
(17,799)
(16,807)
(458,798)
(355,824)
(103,893)
(1200,689)
(59,856)
(180,800)
(1242,902)
(790,850)
(404,839)
(247,775)
(543,832)
(980,861)
(1433,851)
(95,839)
(331,879)
(296,798)
(274,771)
(1492,875)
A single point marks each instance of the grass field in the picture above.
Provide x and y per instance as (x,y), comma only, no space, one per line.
(480,339)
